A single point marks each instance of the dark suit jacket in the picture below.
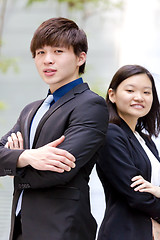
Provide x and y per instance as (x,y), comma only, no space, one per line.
(56,206)
(128,213)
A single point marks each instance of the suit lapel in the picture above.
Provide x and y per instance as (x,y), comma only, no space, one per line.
(137,146)
(27,122)
(63,100)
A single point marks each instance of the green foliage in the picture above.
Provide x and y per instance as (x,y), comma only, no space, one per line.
(118,4)
(71,3)
(97,87)
(7,63)
(2,105)
(79,4)
(30,2)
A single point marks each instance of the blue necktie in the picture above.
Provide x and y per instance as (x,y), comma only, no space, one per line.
(39,114)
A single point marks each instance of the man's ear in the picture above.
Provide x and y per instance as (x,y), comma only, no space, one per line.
(111,94)
(82,58)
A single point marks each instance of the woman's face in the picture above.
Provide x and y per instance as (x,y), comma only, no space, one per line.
(133,98)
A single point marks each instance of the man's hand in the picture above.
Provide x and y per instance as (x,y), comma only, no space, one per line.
(48,158)
(44,158)
(15,141)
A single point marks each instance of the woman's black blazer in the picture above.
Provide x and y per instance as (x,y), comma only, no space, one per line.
(128,213)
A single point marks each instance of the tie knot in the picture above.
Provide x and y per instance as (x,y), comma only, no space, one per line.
(49,99)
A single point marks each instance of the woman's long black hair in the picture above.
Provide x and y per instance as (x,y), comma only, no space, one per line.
(151,121)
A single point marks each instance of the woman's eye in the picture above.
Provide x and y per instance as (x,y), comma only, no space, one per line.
(129,90)
(146,92)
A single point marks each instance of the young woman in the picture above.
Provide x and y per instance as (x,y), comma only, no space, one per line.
(129,156)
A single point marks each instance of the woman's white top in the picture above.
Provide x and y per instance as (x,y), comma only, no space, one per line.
(155,164)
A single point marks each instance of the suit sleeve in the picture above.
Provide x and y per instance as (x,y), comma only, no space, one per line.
(84,134)
(9,157)
(117,166)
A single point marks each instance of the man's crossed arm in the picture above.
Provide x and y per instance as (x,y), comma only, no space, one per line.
(47,157)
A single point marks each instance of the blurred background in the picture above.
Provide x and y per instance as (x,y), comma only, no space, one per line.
(119,32)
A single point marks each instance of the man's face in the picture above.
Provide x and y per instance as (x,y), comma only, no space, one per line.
(58,65)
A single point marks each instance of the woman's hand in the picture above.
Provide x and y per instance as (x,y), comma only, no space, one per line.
(141,185)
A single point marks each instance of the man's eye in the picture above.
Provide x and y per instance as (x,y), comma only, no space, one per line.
(40,52)
(58,51)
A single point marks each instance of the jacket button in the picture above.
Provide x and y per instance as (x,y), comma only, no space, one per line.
(23,185)
(7,171)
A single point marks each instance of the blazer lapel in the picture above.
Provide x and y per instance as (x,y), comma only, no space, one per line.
(151,147)
(63,100)
(135,143)
(27,122)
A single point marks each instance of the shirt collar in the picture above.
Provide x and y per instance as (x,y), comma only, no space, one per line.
(60,92)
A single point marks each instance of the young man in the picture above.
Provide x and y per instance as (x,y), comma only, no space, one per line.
(51,196)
